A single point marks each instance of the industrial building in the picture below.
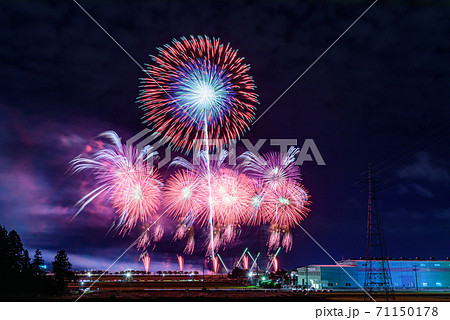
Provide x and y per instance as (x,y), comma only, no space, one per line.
(417,274)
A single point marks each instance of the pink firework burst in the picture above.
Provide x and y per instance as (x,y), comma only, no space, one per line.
(125,177)
(185,195)
(231,197)
(286,205)
(273,169)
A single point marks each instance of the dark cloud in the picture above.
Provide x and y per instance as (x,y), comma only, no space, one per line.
(425,168)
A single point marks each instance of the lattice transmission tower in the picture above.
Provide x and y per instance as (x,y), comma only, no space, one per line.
(377,272)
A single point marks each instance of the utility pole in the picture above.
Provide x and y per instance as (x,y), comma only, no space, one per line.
(377,272)
(262,249)
(203,279)
(234,260)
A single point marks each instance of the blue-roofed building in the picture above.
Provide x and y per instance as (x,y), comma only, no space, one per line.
(406,274)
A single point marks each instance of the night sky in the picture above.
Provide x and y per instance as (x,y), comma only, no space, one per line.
(380,95)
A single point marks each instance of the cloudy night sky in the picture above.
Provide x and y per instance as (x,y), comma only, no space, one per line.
(380,94)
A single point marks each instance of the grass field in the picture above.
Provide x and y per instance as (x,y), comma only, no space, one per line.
(247,295)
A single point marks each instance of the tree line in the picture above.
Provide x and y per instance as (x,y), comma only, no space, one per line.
(21,276)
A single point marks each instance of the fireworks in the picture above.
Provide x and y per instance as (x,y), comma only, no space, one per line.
(286,205)
(216,241)
(271,194)
(180,232)
(275,264)
(198,89)
(278,197)
(274,240)
(286,243)
(258,205)
(190,245)
(122,174)
(146,261)
(185,196)
(286,208)
(216,264)
(229,233)
(231,197)
(194,81)
(144,240)
(223,208)
(245,262)
(273,169)
(158,232)
(180,262)
(265,191)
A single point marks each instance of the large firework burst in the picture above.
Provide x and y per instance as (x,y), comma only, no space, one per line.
(197,84)
(286,205)
(185,196)
(124,176)
(231,197)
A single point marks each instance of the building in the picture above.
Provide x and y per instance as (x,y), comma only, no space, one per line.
(406,274)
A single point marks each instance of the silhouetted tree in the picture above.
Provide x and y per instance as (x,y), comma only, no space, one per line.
(18,258)
(238,273)
(19,275)
(37,264)
(26,264)
(61,268)
(14,264)
(4,259)
(4,249)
